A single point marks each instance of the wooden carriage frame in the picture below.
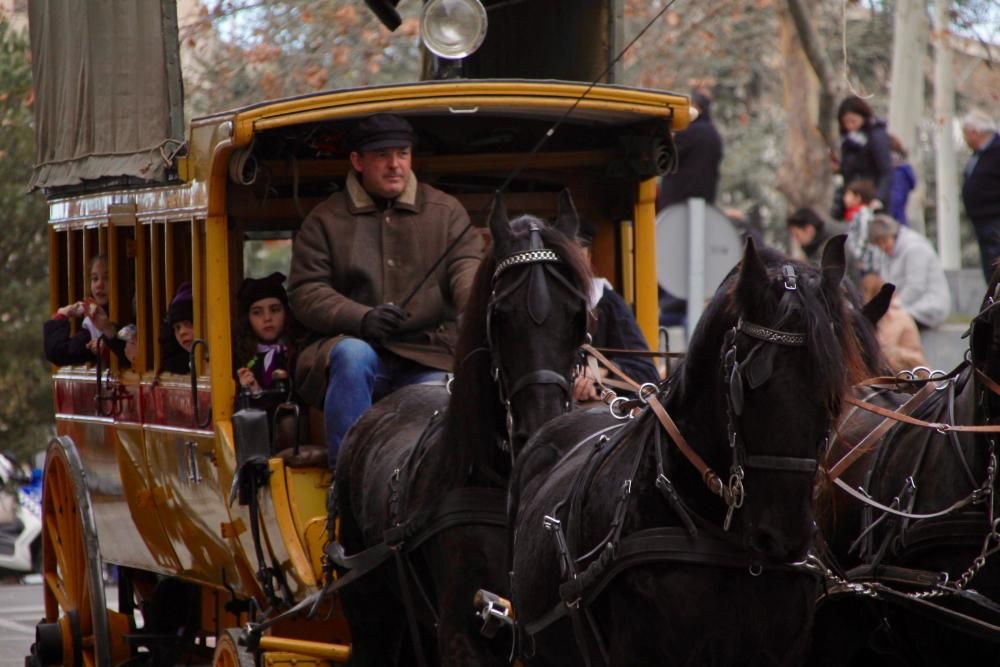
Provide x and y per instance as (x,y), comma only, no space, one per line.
(140,473)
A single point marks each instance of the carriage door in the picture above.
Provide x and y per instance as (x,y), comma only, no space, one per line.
(178,424)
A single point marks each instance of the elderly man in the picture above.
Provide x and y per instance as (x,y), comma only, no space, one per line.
(981,189)
(914,268)
(364,279)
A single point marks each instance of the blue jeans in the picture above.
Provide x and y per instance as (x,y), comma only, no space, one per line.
(359,375)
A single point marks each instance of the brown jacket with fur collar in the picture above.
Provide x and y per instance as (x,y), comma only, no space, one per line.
(349,257)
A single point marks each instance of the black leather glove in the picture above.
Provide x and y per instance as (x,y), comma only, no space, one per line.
(381,321)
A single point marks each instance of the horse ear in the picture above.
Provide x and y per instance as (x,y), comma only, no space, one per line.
(879,305)
(499,226)
(753,275)
(834,264)
(567,219)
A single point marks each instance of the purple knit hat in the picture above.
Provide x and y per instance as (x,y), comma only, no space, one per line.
(181,306)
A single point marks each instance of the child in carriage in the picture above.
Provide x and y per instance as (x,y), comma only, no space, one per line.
(63,349)
(262,342)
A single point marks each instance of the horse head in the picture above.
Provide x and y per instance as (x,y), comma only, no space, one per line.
(537,315)
(781,331)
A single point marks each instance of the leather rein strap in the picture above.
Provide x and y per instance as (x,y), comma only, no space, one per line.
(708,476)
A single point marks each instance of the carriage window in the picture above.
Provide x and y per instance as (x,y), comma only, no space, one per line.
(264,256)
(170,261)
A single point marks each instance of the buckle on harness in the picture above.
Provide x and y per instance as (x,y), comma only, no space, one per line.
(495,611)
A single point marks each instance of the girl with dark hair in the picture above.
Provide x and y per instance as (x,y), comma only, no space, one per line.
(262,342)
(864,150)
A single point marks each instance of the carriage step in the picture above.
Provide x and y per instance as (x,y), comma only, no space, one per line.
(496,612)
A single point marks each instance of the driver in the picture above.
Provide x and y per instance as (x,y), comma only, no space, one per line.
(365,279)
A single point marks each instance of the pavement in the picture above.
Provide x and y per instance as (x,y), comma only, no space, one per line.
(21,607)
(944,346)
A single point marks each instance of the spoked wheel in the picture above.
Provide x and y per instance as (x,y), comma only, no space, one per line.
(228,652)
(78,628)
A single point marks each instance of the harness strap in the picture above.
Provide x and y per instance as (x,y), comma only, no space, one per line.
(544,376)
(868,442)
(788,463)
(986,380)
(871,502)
(956,620)
(411,609)
(709,476)
(611,366)
(894,381)
(652,545)
(943,428)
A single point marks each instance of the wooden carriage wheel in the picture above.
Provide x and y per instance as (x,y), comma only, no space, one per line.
(228,652)
(90,634)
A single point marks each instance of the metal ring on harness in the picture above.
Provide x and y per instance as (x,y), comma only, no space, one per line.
(945,381)
(613,407)
(647,390)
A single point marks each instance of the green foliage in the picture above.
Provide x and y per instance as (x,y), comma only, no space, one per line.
(25,384)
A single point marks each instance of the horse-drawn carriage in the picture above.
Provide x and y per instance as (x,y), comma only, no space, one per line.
(141,475)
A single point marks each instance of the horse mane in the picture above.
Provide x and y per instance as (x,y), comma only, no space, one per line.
(834,351)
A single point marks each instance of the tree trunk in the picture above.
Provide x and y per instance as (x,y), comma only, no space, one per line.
(906,93)
(944,140)
(815,51)
(805,176)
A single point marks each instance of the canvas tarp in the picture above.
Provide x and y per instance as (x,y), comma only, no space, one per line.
(108,92)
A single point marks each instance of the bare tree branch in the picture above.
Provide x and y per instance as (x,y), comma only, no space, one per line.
(816,53)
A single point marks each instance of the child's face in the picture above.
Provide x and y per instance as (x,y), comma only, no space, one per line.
(184,333)
(99,282)
(267,319)
(851,198)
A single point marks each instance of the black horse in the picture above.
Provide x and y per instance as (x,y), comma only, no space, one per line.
(630,550)
(422,477)
(910,524)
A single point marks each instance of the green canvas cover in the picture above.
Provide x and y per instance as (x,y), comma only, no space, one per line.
(108,92)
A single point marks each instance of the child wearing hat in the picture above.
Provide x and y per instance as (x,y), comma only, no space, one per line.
(262,342)
(177,335)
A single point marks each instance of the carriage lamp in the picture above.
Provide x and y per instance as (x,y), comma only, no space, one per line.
(453,29)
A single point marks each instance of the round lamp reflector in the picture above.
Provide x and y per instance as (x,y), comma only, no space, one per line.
(453,29)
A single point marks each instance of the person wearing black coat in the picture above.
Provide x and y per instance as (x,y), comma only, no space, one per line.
(612,327)
(699,154)
(981,187)
(864,151)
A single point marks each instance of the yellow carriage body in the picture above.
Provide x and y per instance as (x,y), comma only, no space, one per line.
(157,450)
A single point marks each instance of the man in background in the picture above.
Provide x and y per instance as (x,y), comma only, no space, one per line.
(981,187)
(699,154)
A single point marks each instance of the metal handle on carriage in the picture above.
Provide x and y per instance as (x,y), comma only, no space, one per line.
(198,422)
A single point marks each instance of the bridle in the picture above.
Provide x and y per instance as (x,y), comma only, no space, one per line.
(753,371)
(534,264)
